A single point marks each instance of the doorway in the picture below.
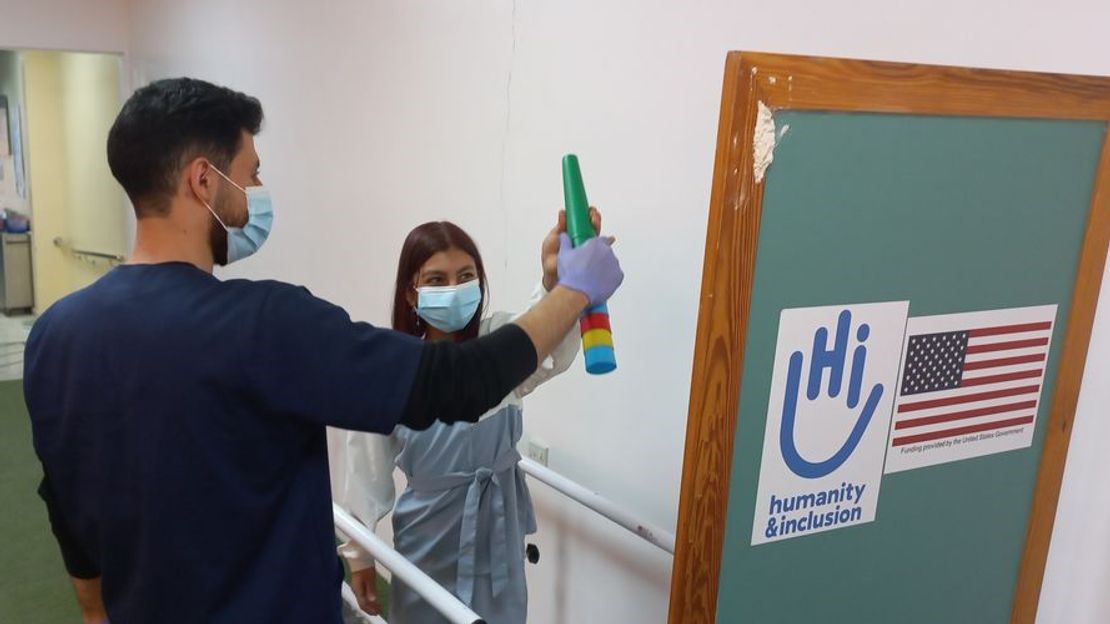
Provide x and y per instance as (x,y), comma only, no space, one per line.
(63,218)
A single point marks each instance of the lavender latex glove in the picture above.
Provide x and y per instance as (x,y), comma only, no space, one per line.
(592,268)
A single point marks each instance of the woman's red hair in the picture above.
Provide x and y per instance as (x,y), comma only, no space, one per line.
(423,242)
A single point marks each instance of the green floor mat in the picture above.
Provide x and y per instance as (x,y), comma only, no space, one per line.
(34,586)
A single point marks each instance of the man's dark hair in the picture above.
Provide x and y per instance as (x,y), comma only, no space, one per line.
(166,124)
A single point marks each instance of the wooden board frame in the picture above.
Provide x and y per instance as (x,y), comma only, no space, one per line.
(785,82)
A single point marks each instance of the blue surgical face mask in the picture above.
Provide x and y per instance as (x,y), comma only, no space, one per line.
(449,308)
(244,241)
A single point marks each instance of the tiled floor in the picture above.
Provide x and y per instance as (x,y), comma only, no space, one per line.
(13,335)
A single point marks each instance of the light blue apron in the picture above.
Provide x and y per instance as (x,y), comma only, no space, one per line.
(464,516)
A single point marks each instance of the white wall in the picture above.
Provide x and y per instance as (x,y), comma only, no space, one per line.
(384,114)
(77,25)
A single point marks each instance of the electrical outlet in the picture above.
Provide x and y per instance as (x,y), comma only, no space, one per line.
(537,452)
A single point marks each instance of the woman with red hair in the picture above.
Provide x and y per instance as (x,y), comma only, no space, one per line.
(466,509)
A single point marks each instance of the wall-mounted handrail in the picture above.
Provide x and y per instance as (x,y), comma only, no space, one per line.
(592,500)
(442,600)
(112,258)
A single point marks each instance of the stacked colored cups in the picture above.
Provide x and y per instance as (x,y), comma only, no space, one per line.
(597,333)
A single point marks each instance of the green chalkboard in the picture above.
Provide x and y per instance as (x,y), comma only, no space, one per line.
(956,190)
(954,215)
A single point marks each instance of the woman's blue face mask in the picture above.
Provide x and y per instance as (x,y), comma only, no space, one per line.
(449,308)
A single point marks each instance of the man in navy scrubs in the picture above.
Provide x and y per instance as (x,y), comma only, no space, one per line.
(180,419)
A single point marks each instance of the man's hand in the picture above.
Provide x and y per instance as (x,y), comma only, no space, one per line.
(365,585)
(549,251)
(90,601)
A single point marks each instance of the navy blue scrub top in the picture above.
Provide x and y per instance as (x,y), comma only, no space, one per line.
(180,423)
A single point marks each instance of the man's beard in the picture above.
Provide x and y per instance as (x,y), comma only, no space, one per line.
(217,236)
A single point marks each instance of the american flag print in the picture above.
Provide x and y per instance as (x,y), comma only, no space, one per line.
(970,384)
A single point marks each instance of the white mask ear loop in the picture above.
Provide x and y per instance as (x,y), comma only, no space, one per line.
(218,219)
(227,178)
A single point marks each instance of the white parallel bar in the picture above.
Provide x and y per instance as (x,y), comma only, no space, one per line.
(655,535)
(442,600)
